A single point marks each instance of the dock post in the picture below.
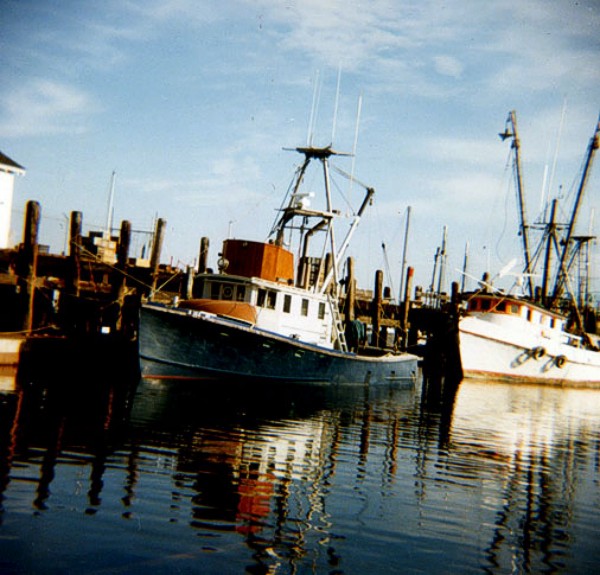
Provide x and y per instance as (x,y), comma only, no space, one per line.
(350,303)
(189,282)
(376,309)
(28,263)
(406,307)
(203,255)
(72,285)
(120,281)
(159,233)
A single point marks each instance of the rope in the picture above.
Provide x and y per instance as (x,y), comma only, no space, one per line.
(29,331)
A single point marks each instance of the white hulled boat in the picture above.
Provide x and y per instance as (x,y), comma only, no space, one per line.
(512,339)
(540,337)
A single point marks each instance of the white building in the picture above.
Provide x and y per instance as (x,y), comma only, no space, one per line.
(8,169)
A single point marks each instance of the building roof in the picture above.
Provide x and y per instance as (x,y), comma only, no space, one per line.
(8,165)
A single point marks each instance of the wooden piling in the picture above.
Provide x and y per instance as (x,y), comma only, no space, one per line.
(159,233)
(203,255)
(189,282)
(74,265)
(376,310)
(120,278)
(406,308)
(350,303)
(28,263)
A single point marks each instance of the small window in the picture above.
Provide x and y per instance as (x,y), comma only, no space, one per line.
(485,304)
(514,308)
(260,299)
(501,306)
(304,310)
(552,323)
(240,294)
(529,315)
(287,303)
(321,310)
(214,291)
(227,292)
(271,299)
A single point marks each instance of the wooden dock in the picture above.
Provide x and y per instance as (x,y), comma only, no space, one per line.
(82,307)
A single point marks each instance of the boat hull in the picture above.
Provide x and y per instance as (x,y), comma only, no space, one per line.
(488,352)
(176,344)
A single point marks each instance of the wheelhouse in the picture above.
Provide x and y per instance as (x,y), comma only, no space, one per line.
(495,306)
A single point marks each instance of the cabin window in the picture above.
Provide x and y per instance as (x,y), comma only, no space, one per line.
(227,292)
(287,303)
(261,297)
(529,315)
(501,306)
(514,308)
(240,294)
(552,323)
(485,304)
(214,291)
(321,310)
(304,309)
(266,298)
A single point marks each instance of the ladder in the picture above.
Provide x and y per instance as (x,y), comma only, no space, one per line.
(338,326)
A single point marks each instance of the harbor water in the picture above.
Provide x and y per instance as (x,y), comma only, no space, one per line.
(101,475)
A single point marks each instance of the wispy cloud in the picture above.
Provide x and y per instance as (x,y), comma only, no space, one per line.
(43,106)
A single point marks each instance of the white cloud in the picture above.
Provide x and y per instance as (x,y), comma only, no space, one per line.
(43,106)
(448,66)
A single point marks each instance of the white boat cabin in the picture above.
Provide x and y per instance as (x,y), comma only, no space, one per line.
(256,285)
(511,312)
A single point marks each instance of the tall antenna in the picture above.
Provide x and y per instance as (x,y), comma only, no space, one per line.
(313,111)
(337,100)
(109,209)
(358,111)
(560,127)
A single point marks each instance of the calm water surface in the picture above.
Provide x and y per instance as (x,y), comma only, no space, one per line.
(180,478)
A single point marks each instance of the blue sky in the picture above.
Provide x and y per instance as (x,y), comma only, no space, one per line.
(192,103)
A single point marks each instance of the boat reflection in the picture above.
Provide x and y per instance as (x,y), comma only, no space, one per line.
(531,440)
(284,472)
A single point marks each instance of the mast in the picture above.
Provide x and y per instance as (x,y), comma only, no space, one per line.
(550,237)
(562,269)
(404,250)
(510,131)
(109,208)
(297,207)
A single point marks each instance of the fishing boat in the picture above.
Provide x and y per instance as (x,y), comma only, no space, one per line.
(503,337)
(541,335)
(270,313)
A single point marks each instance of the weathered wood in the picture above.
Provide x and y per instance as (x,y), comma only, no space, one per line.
(28,263)
(404,326)
(376,310)
(120,278)
(74,265)
(189,282)
(159,233)
(349,304)
(203,255)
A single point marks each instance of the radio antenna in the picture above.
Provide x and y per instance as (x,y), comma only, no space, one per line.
(337,101)
(313,112)
(358,111)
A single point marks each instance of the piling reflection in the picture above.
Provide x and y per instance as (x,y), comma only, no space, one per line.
(314,478)
(52,422)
